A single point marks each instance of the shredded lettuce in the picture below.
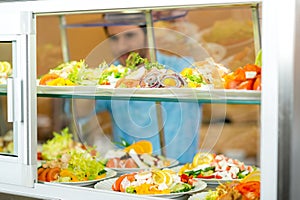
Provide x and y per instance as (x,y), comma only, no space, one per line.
(212,195)
(61,142)
(83,165)
(134,60)
(76,66)
(88,76)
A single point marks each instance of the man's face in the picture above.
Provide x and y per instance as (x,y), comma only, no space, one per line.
(127,39)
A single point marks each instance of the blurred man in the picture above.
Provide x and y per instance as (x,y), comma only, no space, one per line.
(137,120)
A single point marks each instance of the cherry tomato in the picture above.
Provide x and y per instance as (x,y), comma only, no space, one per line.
(39,156)
(184,178)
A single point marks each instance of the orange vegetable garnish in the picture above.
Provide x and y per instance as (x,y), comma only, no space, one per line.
(47,77)
(142,146)
(100,176)
(247,77)
(67,173)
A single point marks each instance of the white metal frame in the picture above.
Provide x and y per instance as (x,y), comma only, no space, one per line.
(20,168)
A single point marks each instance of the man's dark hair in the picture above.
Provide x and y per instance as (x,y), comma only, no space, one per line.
(123,19)
(143,27)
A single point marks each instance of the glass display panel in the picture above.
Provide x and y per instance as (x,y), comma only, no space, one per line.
(6,128)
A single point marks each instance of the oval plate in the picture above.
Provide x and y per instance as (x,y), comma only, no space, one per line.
(109,174)
(106,185)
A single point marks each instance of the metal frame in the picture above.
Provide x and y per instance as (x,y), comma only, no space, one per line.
(21,95)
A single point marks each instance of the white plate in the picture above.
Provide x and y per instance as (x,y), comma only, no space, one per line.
(214,181)
(106,185)
(130,170)
(109,174)
(198,196)
(189,93)
(66,89)
(3,87)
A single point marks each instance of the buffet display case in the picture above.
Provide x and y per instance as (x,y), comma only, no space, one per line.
(19,167)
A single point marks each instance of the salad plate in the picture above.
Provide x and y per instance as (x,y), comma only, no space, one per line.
(173,163)
(107,185)
(109,174)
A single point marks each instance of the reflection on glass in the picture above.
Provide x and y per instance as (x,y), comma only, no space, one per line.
(225,34)
(6,128)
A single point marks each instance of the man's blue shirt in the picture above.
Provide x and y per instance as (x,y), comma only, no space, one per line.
(137,120)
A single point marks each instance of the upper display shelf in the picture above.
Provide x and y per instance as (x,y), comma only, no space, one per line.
(149,94)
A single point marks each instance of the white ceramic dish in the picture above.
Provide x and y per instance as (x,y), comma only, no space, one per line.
(130,170)
(109,174)
(106,185)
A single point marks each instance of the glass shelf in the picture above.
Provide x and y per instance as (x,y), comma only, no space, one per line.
(153,94)
(149,94)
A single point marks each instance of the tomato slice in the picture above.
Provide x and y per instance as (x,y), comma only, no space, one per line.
(117,184)
(252,67)
(43,175)
(246,85)
(257,83)
(232,84)
(53,173)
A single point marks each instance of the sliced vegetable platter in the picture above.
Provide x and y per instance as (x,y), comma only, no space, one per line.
(215,168)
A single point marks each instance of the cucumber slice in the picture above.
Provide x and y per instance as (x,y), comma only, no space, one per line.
(181,187)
